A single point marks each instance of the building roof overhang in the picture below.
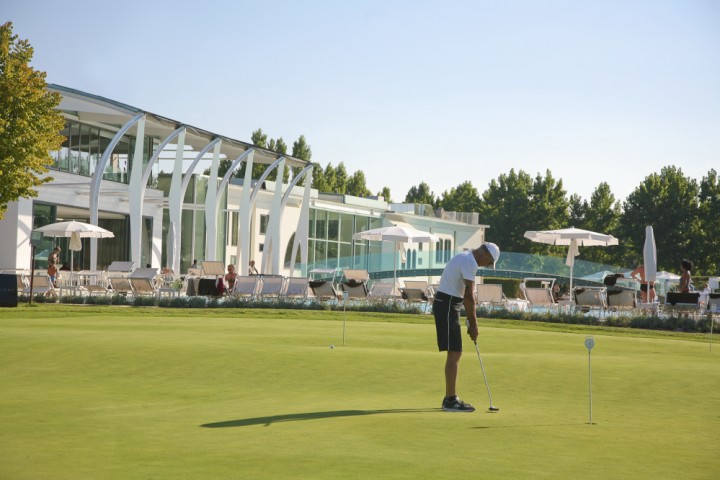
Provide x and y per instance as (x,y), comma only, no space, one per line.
(94,109)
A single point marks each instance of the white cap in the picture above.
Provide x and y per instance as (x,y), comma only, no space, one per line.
(494,251)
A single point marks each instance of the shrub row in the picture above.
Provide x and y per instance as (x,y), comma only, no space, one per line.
(650,322)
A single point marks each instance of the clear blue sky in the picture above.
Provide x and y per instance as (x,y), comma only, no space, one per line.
(412,91)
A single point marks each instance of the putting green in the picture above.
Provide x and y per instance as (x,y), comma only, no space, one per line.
(118,393)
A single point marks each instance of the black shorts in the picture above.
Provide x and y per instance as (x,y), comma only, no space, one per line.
(446,310)
(644,287)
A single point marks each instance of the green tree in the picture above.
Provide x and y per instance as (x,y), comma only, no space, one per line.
(549,205)
(278,145)
(30,125)
(578,210)
(708,250)
(259,138)
(329,174)
(341,179)
(602,215)
(385,193)
(463,198)
(506,208)
(319,182)
(356,185)
(301,149)
(421,194)
(669,202)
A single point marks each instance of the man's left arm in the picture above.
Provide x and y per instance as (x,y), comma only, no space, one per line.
(470,309)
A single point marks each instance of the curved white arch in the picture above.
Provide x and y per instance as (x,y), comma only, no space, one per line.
(97,179)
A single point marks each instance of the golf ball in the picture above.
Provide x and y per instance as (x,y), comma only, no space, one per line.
(332,346)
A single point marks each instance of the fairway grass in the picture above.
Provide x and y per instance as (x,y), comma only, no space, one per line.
(128,393)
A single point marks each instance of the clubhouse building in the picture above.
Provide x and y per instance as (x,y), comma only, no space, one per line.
(154,183)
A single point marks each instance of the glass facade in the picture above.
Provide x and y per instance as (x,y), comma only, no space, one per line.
(109,249)
(192,246)
(330,243)
(84,145)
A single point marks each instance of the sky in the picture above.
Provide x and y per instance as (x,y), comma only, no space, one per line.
(440,92)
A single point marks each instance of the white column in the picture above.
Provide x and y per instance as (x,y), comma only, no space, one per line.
(243,246)
(174,207)
(211,203)
(179,198)
(301,231)
(136,193)
(271,253)
(97,179)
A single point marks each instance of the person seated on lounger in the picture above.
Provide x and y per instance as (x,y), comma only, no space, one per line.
(647,289)
(251,268)
(230,278)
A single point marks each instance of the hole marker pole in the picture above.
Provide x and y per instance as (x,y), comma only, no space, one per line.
(589,344)
(345,299)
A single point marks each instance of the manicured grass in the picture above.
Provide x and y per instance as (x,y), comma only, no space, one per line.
(122,392)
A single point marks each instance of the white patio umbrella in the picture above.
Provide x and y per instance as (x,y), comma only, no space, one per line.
(573,238)
(650,258)
(75,230)
(398,234)
(650,255)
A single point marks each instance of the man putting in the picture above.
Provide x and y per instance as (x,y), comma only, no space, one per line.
(457,286)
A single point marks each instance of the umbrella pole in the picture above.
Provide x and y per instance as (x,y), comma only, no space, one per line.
(395,270)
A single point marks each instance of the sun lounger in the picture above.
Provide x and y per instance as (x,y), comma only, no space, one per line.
(297,288)
(682,303)
(246,286)
(324,290)
(538,293)
(621,299)
(382,291)
(41,285)
(212,269)
(273,286)
(120,286)
(490,294)
(143,286)
(355,284)
(590,298)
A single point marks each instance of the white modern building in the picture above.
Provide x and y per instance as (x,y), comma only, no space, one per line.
(154,182)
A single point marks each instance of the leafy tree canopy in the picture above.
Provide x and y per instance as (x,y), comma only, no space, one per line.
(421,194)
(30,125)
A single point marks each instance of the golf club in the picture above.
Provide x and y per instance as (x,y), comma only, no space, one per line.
(492,407)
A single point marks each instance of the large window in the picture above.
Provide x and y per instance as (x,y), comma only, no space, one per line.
(84,145)
(331,243)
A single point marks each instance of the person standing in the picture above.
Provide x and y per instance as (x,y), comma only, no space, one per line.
(52,272)
(251,268)
(647,289)
(685,276)
(457,287)
(54,256)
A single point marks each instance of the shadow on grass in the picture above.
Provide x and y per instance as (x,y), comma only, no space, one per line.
(534,426)
(294,417)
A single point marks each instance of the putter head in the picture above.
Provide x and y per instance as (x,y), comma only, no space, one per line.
(493,409)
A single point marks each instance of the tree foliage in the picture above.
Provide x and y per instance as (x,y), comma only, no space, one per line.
(463,198)
(421,194)
(30,125)
(601,214)
(506,208)
(669,202)
(708,236)
(356,185)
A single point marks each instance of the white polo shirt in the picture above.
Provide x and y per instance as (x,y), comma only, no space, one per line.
(460,268)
